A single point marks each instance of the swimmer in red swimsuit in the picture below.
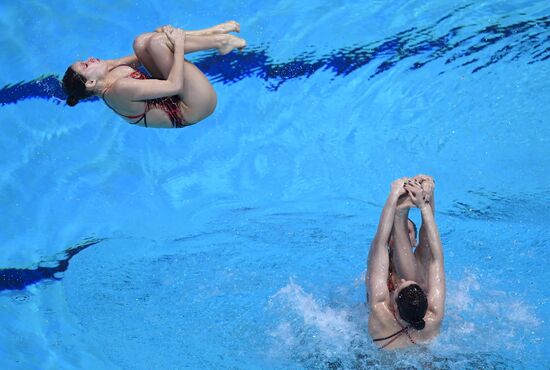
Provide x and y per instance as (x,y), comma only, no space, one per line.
(176,94)
(406,288)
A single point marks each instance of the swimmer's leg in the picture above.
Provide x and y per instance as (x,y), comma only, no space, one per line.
(197,93)
(229,26)
(422,252)
(155,51)
(404,261)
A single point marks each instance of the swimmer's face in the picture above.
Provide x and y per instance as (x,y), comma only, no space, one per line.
(92,69)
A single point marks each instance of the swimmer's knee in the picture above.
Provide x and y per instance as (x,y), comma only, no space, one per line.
(140,43)
(157,40)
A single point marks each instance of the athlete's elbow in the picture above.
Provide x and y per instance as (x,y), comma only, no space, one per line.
(175,86)
(377,297)
(437,311)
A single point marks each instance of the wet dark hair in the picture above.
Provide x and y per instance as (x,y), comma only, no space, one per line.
(74,85)
(412,305)
(415,228)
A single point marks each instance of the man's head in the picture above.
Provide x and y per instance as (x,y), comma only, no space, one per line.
(412,304)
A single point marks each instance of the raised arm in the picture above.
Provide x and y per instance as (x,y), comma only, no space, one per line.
(436,272)
(378,262)
(433,253)
(428,185)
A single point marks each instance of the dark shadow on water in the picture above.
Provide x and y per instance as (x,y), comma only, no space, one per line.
(21,278)
(488,205)
(465,46)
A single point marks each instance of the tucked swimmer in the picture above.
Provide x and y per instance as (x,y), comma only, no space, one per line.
(176,95)
(406,289)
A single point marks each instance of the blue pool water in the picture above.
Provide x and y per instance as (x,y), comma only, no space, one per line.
(241,242)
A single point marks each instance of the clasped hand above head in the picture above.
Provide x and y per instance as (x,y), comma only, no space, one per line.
(413,192)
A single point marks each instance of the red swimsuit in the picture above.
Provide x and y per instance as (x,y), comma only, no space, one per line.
(169,104)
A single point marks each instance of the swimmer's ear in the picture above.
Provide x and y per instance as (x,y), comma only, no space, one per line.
(90,84)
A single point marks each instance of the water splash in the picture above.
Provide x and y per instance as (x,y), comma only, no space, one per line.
(479,331)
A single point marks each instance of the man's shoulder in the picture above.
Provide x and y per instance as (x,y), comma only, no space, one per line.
(380,318)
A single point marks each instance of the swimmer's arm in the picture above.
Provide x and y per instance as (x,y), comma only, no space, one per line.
(429,186)
(377,273)
(130,60)
(436,272)
(139,90)
(379,260)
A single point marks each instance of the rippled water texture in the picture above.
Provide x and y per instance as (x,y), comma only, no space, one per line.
(241,242)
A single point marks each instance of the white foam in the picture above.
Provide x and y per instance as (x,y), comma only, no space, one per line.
(480,323)
(480,317)
(333,325)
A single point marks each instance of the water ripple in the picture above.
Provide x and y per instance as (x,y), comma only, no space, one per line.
(463,46)
(492,206)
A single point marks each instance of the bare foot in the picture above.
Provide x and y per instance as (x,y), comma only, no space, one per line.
(226,27)
(229,26)
(230,42)
(404,202)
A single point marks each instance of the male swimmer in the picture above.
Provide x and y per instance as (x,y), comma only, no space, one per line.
(406,288)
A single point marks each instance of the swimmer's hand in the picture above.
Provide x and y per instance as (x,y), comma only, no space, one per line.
(428,186)
(397,187)
(427,183)
(420,178)
(418,196)
(404,203)
(165,28)
(175,35)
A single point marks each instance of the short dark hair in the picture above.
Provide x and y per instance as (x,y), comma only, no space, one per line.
(415,228)
(74,85)
(412,305)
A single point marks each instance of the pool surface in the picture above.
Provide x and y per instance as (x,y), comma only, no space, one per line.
(241,242)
